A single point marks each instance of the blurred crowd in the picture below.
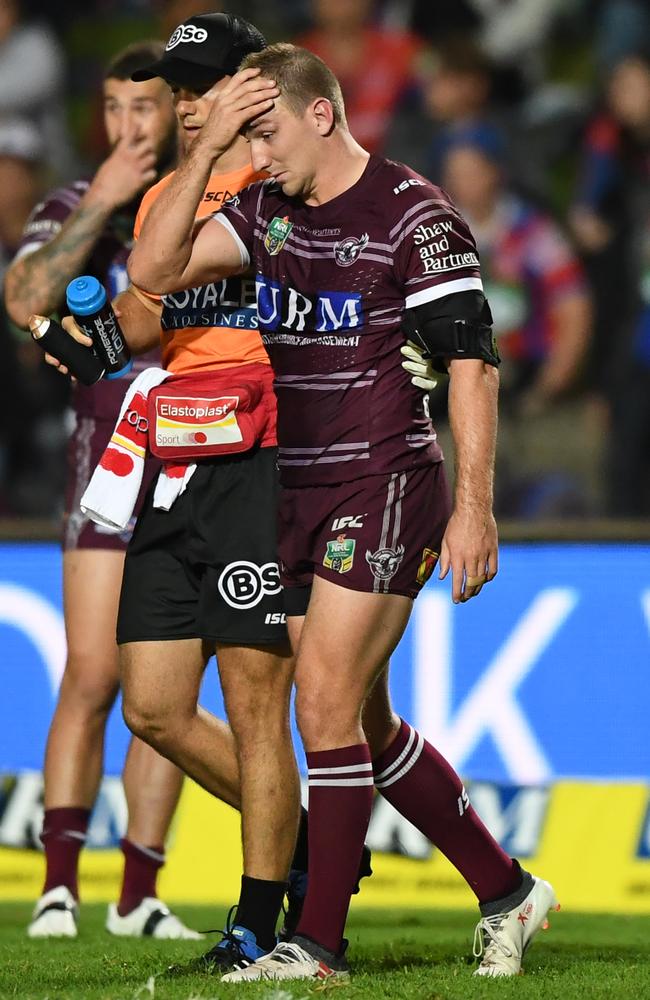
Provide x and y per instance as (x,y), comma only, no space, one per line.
(535,116)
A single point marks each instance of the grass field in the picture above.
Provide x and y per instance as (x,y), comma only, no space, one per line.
(424,955)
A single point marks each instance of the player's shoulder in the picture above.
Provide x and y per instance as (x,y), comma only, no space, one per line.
(48,215)
(402,180)
(404,188)
(257,195)
(64,198)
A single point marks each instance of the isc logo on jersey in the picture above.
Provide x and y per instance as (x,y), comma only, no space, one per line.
(186,33)
(243,584)
(406,184)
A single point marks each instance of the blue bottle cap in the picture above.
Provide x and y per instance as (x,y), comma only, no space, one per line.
(123,371)
(85,295)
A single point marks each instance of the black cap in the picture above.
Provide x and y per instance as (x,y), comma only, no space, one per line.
(204,49)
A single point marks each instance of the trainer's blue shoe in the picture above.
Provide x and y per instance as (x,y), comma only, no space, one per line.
(237,949)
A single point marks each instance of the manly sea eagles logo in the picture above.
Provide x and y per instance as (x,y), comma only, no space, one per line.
(384,563)
(347,251)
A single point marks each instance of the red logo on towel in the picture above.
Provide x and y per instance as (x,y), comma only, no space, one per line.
(134,424)
(116,462)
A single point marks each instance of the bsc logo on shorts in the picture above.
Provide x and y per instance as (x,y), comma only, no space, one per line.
(243,584)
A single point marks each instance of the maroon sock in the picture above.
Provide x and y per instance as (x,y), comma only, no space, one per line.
(426,790)
(63,836)
(340,799)
(141,865)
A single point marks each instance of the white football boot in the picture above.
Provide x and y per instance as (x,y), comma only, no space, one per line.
(55,915)
(151,918)
(295,959)
(503,935)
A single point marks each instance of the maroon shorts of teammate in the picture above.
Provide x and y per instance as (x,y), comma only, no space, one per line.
(85,448)
(378,534)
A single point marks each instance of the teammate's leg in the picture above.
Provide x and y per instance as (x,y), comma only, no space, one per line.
(75,746)
(256,684)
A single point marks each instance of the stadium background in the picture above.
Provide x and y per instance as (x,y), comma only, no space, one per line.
(538,692)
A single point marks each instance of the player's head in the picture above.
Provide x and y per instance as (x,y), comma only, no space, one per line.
(146,108)
(473,159)
(201,55)
(288,140)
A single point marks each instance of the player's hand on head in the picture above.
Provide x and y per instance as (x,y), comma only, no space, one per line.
(245,97)
(419,368)
(470,550)
(128,171)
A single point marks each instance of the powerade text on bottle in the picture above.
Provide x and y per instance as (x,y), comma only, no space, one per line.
(87,301)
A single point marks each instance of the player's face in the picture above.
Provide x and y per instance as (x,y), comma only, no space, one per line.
(472,180)
(193,107)
(286,146)
(142,109)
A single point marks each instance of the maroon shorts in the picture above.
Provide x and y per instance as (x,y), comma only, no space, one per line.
(85,448)
(379,534)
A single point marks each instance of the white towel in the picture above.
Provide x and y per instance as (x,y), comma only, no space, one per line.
(111,494)
(171,482)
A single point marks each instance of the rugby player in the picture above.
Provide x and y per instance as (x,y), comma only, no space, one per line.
(351,253)
(204,575)
(86,227)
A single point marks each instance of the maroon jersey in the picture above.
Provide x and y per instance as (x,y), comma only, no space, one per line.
(108,264)
(333,282)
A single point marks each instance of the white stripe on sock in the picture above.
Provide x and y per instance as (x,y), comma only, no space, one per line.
(407,767)
(343,769)
(341,781)
(396,763)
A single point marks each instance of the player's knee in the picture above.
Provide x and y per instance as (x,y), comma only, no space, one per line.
(152,724)
(323,718)
(89,686)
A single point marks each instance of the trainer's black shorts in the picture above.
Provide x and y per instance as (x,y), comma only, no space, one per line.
(208,568)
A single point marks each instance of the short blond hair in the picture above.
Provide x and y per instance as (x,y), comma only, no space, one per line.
(301,77)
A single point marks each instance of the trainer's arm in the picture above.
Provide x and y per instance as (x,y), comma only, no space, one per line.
(470,544)
(171,253)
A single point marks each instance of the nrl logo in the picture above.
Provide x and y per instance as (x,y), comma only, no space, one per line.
(349,250)
(277,234)
(384,563)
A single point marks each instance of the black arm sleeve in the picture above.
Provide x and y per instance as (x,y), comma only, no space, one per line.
(454,326)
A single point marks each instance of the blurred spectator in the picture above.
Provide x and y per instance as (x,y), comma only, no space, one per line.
(376,66)
(175,12)
(548,462)
(611,218)
(512,33)
(621,25)
(21,182)
(32,80)
(21,151)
